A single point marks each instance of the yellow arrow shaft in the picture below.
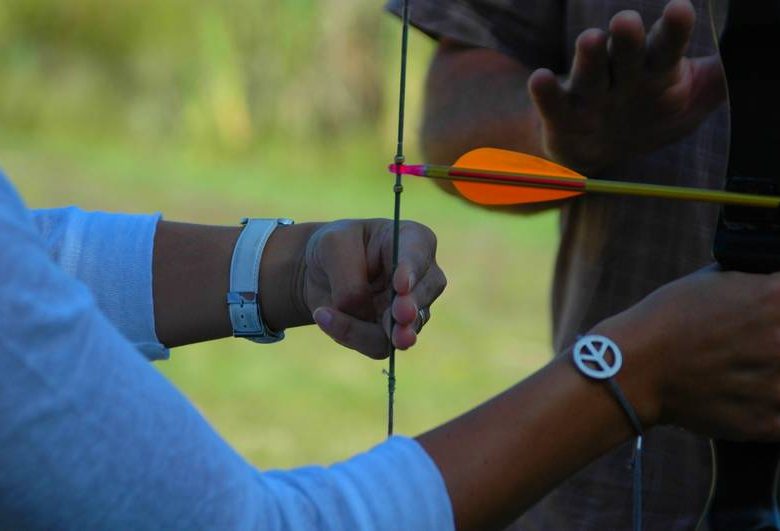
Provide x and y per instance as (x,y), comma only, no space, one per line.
(682,193)
(538,180)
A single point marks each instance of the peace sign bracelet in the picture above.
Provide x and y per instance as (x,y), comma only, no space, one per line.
(599,358)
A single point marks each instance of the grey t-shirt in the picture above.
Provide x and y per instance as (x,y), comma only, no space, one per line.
(613,251)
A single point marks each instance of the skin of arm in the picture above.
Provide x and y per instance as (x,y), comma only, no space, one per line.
(337,274)
(502,457)
(457,115)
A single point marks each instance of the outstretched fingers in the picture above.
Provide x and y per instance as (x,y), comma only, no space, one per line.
(547,94)
(626,48)
(670,36)
(590,72)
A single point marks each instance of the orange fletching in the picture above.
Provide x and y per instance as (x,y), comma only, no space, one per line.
(493,159)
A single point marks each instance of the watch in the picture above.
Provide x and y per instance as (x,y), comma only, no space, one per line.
(243,297)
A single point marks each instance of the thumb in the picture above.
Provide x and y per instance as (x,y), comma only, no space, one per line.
(367,338)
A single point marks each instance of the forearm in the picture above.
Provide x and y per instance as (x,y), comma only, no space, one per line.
(477,97)
(502,457)
(676,369)
(191,271)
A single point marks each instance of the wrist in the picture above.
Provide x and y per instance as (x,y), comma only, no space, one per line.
(282,277)
(638,377)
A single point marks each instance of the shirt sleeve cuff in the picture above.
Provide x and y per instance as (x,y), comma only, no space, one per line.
(413,493)
(112,255)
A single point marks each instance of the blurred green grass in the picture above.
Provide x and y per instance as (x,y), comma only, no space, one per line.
(297,155)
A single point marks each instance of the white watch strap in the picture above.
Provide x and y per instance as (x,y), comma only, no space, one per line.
(243,299)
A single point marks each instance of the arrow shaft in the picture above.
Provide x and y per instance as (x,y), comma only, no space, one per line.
(453,173)
(682,193)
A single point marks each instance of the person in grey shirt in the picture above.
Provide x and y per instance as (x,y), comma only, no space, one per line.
(619,89)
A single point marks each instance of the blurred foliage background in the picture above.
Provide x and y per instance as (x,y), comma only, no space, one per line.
(211,111)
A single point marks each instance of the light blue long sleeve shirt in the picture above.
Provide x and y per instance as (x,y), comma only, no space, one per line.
(92,437)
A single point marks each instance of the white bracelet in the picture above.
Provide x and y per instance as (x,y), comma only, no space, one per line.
(243,297)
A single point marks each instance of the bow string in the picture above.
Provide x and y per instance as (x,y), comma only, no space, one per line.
(398,188)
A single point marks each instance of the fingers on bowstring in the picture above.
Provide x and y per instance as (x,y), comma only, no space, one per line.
(418,280)
(547,94)
(404,335)
(368,338)
(670,35)
(626,47)
(416,255)
(423,294)
(590,72)
(406,308)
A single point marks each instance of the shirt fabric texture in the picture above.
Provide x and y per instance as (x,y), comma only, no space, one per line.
(613,251)
(93,437)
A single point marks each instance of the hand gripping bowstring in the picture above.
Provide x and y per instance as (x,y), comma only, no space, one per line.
(397,189)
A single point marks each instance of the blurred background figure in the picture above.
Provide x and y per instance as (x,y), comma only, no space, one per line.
(198,109)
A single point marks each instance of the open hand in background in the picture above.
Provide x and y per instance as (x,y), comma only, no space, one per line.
(629,91)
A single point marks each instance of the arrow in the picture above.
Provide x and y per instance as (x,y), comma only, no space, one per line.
(491,176)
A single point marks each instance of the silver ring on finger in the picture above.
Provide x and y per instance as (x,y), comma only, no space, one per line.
(423,315)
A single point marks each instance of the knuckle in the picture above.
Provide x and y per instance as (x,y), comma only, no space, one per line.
(431,236)
(425,231)
(441,281)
